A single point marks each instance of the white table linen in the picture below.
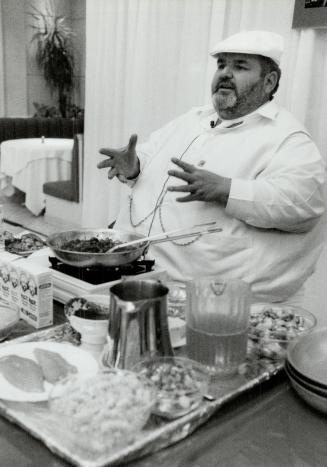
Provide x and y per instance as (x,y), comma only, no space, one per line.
(29,163)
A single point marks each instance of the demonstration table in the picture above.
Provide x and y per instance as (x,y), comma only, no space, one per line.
(29,163)
(267,426)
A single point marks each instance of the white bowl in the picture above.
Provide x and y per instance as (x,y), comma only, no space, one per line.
(308,356)
(89,315)
(314,399)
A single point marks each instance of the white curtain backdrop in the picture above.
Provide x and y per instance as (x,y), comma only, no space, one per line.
(2,74)
(147,62)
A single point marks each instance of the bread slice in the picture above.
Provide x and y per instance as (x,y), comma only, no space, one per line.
(54,366)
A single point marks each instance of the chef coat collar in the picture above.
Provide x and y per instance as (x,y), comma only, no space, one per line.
(267,110)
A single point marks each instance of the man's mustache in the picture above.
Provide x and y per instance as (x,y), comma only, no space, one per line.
(227,84)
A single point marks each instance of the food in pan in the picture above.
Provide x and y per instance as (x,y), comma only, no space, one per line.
(93,245)
(53,365)
(25,244)
(23,373)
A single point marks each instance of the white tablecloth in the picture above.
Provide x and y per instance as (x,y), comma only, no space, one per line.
(29,163)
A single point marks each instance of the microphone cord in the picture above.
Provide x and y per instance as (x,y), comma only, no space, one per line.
(160,196)
(163,191)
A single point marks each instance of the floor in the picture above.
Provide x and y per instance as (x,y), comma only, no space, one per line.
(18,217)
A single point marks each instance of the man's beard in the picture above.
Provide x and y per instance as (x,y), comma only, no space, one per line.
(234,103)
(229,101)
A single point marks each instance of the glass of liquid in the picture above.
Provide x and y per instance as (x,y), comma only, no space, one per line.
(217,321)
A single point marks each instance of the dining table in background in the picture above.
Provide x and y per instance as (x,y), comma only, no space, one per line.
(29,163)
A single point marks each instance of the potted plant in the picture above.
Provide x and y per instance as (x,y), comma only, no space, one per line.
(54,53)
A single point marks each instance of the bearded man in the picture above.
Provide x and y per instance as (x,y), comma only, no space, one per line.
(244,163)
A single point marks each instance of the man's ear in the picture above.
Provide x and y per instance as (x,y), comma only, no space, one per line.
(270,81)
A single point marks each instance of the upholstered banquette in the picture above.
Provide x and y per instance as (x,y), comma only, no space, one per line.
(14,128)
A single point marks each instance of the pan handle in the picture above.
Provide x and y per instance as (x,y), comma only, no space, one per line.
(160,236)
(186,235)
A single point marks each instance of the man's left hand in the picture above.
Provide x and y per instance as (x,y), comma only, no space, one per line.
(202,185)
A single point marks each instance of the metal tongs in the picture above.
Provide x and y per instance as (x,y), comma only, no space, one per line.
(168,236)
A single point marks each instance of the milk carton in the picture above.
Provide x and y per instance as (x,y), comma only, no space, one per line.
(15,296)
(36,294)
(5,260)
(5,281)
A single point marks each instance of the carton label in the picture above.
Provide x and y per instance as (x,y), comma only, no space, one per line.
(29,286)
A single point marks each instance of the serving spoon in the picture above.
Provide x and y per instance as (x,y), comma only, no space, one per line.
(168,236)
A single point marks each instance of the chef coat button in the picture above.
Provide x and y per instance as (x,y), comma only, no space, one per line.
(201,163)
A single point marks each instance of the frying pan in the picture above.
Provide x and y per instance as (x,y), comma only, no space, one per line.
(109,258)
(87,259)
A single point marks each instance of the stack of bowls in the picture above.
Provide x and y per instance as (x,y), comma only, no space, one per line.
(306,367)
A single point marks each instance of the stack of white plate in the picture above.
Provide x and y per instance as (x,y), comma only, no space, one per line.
(306,366)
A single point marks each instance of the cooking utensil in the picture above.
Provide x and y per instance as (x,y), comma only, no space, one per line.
(89,259)
(159,236)
(111,259)
(138,324)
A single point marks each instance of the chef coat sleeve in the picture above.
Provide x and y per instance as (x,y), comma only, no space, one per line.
(288,193)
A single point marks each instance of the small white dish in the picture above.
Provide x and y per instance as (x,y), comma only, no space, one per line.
(89,315)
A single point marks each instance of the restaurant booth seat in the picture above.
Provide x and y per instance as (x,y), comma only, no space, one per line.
(63,198)
(36,127)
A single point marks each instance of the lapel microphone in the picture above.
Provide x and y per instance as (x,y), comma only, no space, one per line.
(212,124)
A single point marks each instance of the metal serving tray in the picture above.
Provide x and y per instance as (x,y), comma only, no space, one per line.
(37,420)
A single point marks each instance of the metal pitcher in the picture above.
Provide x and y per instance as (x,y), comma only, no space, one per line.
(138,323)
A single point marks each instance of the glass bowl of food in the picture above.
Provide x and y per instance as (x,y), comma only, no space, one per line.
(105,411)
(181,384)
(273,327)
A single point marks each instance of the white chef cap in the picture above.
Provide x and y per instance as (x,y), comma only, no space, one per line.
(268,44)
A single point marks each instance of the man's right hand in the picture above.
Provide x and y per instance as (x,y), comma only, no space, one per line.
(123,163)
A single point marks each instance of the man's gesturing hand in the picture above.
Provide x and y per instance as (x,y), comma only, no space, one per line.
(202,185)
(123,162)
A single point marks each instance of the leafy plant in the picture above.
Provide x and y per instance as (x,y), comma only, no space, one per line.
(55,53)
(43,110)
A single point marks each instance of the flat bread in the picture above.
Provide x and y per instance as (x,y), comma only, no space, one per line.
(23,373)
(54,366)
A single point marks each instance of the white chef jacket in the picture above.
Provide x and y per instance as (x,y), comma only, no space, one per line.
(272,233)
